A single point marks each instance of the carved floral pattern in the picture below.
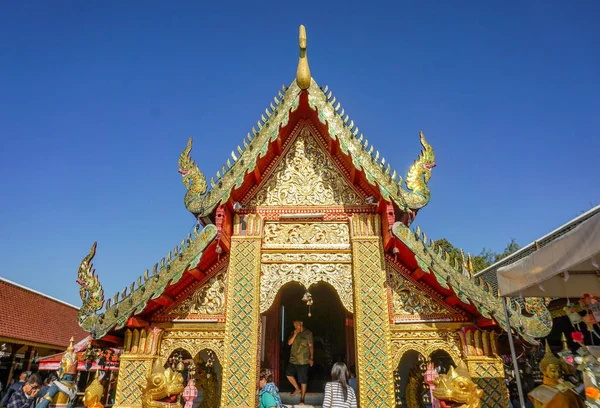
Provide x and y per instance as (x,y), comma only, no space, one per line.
(425,343)
(274,276)
(409,300)
(193,342)
(209,299)
(307,176)
(322,235)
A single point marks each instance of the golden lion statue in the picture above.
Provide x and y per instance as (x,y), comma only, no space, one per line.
(457,389)
(163,388)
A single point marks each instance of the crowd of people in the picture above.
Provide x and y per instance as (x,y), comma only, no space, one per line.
(26,392)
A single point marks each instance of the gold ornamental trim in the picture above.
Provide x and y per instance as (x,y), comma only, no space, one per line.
(208,300)
(136,357)
(426,343)
(306,236)
(304,257)
(274,276)
(408,299)
(193,345)
(306,176)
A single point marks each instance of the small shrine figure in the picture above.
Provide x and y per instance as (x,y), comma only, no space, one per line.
(207,380)
(93,394)
(64,389)
(554,391)
(190,392)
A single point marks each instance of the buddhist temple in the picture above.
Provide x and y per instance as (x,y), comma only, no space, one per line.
(307,220)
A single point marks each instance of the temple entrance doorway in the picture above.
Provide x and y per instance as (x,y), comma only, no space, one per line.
(332,327)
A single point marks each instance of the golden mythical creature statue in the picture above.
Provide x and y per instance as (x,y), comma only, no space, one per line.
(162,389)
(419,174)
(90,290)
(93,394)
(193,179)
(554,391)
(457,389)
(63,390)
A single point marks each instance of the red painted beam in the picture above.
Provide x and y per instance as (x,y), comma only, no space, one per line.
(483,322)
(164,300)
(452,300)
(197,274)
(257,175)
(417,274)
(136,322)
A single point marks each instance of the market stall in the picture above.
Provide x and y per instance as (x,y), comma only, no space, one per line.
(569,267)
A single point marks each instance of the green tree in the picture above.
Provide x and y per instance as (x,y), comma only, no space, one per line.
(511,247)
(485,258)
(449,249)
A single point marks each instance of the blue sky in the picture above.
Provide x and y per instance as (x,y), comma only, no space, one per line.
(98,99)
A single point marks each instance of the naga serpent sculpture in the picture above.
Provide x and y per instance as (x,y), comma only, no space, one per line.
(456,389)
(163,386)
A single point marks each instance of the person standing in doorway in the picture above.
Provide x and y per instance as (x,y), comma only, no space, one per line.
(301,358)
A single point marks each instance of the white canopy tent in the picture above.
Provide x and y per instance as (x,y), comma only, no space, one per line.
(568,267)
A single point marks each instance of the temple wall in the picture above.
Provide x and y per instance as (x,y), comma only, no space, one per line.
(486,367)
(139,355)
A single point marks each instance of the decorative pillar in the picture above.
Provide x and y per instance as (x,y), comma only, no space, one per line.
(375,371)
(139,355)
(486,368)
(241,328)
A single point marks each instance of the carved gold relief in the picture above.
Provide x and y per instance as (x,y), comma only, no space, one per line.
(306,257)
(193,342)
(425,343)
(409,300)
(274,276)
(306,176)
(209,299)
(322,235)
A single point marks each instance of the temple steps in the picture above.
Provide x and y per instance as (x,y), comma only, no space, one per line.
(311,400)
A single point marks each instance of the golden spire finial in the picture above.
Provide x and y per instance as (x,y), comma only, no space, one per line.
(563,340)
(71,348)
(303,72)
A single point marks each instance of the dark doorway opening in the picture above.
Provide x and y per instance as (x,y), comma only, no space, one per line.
(330,323)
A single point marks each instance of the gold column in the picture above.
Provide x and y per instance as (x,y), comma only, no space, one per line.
(488,374)
(375,371)
(135,365)
(487,371)
(241,328)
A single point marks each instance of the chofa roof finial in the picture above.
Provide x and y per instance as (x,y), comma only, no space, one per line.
(303,73)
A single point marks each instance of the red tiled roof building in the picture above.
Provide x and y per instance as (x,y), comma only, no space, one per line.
(32,325)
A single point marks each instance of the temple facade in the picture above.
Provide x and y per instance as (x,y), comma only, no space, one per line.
(306,220)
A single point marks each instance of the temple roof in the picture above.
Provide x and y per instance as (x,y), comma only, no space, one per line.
(98,317)
(432,260)
(410,195)
(302,101)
